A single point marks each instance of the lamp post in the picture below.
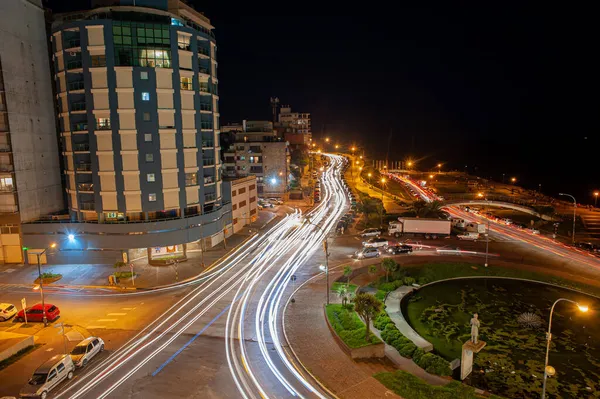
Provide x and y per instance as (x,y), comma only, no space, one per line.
(439,165)
(574,213)
(326,249)
(39,254)
(382,183)
(549,370)
(596,199)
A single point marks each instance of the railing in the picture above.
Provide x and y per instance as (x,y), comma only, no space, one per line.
(103,126)
(79,127)
(186,86)
(9,208)
(78,106)
(87,206)
(83,167)
(205,107)
(204,125)
(7,189)
(85,186)
(5,148)
(207,144)
(72,43)
(208,179)
(204,70)
(74,65)
(6,168)
(76,86)
(202,50)
(204,89)
(209,197)
(208,162)
(81,147)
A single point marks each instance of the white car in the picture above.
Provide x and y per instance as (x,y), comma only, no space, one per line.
(370,233)
(7,311)
(86,350)
(468,236)
(376,242)
(533,231)
(275,201)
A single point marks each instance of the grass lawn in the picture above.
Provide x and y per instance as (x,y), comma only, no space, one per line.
(349,327)
(351,287)
(410,387)
(123,274)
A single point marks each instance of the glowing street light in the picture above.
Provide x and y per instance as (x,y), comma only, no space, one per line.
(513,180)
(596,198)
(439,165)
(360,157)
(327,140)
(337,146)
(273,180)
(549,370)
(409,163)
(480,195)
(71,237)
(431,176)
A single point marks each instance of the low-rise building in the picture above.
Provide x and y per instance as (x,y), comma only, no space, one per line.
(244,206)
(295,127)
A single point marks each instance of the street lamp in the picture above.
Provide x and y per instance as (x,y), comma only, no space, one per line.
(325,248)
(549,370)
(596,199)
(369,176)
(39,254)
(337,146)
(327,140)
(574,213)
(513,180)
(382,183)
(439,165)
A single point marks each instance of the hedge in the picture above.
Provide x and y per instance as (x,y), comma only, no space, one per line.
(429,362)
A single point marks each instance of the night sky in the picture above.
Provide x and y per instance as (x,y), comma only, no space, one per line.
(499,89)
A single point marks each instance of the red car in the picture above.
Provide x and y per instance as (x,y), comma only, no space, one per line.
(35,313)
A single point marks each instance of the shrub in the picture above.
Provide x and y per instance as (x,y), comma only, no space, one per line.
(380,294)
(423,280)
(393,335)
(433,364)
(387,287)
(400,342)
(381,322)
(426,360)
(409,281)
(407,350)
(417,355)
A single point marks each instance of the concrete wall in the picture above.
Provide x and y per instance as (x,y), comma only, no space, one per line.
(16,346)
(26,70)
(244,202)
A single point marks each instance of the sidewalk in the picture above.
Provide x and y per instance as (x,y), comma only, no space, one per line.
(147,276)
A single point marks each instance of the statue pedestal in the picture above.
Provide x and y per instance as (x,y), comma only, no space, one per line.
(466,361)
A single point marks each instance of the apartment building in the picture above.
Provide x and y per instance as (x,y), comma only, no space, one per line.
(259,151)
(137,94)
(244,204)
(295,127)
(30,180)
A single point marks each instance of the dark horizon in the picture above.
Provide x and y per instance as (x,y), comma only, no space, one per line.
(502,90)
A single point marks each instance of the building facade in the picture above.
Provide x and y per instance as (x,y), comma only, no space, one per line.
(295,127)
(244,206)
(259,151)
(137,94)
(30,179)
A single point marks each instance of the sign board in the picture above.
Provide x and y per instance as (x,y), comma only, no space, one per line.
(293,278)
(124,257)
(466,363)
(23,303)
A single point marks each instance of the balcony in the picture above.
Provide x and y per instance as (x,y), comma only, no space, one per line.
(87,206)
(6,167)
(80,106)
(203,51)
(206,126)
(208,144)
(205,71)
(5,147)
(79,127)
(103,125)
(208,162)
(74,65)
(209,180)
(204,88)
(205,107)
(7,189)
(81,147)
(210,197)
(74,86)
(83,167)
(85,187)
(72,43)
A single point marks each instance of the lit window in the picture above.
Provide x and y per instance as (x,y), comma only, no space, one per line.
(183,41)
(150,177)
(152,197)
(191,179)
(6,184)
(146,116)
(148,137)
(103,123)
(145,96)
(186,83)
(144,75)
(149,157)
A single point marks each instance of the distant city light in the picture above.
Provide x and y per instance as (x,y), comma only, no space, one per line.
(71,237)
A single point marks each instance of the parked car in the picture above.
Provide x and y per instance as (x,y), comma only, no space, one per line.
(48,376)
(370,233)
(375,242)
(35,313)
(399,249)
(587,246)
(366,253)
(84,351)
(275,201)
(7,311)
(533,231)
(468,236)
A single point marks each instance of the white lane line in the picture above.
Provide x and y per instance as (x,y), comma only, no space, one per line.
(116,314)
(105,320)
(95,327)
(49,349)
(127,308)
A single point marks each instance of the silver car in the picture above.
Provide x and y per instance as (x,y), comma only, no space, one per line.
(86,350)
(366,253)
(370,233)
(48,376)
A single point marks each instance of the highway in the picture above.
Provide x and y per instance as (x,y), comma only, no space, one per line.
(498,229)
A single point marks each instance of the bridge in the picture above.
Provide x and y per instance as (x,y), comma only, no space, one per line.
(500,202)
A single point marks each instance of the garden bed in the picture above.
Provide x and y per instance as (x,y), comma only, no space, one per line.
(48,278)
(351,287)
(349,332)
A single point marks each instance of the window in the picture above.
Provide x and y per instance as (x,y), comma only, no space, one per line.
(235,220)
(146,116)
(252,187)
(234,207)
(148,137)
(233,193)
(183,41)
(242,190)
(191,179)
(252,199)
(241,204)
(103,123)
(149,157)
(150,177)
(60,368)
(142,44)
(6,184)
(186,83)
(144,75)
(99,60)
(145,96)
(152,197)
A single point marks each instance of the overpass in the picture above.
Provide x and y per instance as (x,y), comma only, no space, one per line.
(501,202)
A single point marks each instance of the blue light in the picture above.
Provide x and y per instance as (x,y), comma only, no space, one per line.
(71,237)
(273,180)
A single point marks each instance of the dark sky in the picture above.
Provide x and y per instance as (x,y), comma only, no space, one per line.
(501,88)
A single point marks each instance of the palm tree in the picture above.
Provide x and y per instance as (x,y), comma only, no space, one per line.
(343,293)
(423,209)
(418,208)
(347,273)
(389,265)
(367,307)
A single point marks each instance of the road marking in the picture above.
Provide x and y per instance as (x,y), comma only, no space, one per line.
(95,327)
(127,308)
(105,320)
(116,314)
(49,349)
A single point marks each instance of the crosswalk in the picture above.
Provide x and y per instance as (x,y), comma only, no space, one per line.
(591,221)
(110,318)
(9,287)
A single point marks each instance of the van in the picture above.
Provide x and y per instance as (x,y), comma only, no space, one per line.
(48,376)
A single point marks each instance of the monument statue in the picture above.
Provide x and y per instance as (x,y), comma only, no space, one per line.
(475,328)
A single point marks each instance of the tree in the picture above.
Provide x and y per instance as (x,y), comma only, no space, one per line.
(372,269)
(367,307)
(389,265)
(418,208)
(425,209)
(347,273)
(343,293)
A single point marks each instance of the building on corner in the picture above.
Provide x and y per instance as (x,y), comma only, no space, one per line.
(244,205)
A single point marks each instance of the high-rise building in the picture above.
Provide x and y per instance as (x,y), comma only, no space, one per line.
(30,181)
(137,94)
